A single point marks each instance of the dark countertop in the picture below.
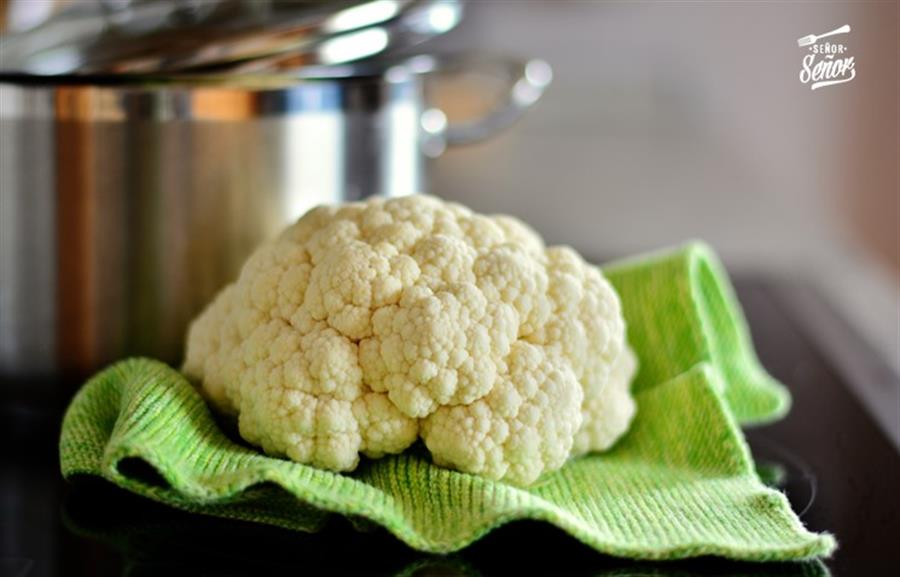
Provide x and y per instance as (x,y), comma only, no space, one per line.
(837,468)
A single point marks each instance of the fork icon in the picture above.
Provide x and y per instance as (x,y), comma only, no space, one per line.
(812,38)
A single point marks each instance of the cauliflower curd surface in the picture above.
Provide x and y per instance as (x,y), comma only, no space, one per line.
(365,326)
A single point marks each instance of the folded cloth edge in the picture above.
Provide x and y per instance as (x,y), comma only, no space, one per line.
(712,326)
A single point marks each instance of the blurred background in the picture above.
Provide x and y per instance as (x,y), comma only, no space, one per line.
(673,121)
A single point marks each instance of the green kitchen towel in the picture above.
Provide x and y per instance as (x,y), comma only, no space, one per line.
(682,311)
(681,483)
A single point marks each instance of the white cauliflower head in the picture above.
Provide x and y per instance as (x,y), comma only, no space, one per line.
(365,325)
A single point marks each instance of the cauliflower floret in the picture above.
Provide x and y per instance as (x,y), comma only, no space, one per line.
(363,323)
(586,322)
(523,427)
(209,335)
(434,349)
(383,427)
(607,411)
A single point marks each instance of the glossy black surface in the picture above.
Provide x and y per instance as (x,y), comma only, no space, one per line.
(837,468)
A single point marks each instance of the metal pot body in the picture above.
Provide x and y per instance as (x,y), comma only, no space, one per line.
(124,209)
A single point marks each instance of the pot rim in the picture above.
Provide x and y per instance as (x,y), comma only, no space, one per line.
(214,79)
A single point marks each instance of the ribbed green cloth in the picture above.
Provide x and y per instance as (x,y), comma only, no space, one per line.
(681,483)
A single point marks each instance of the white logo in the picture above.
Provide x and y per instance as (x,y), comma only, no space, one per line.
(826,64)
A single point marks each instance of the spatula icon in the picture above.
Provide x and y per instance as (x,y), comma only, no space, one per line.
(812,38)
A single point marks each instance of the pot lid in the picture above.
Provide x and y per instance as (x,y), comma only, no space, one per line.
(167,36)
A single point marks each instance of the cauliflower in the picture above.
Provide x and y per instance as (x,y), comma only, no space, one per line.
(607,411)
(366,326)
(524,426)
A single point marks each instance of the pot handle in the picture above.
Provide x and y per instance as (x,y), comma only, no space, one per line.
(527,80)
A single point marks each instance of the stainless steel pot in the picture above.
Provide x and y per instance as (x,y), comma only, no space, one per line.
(125,203)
